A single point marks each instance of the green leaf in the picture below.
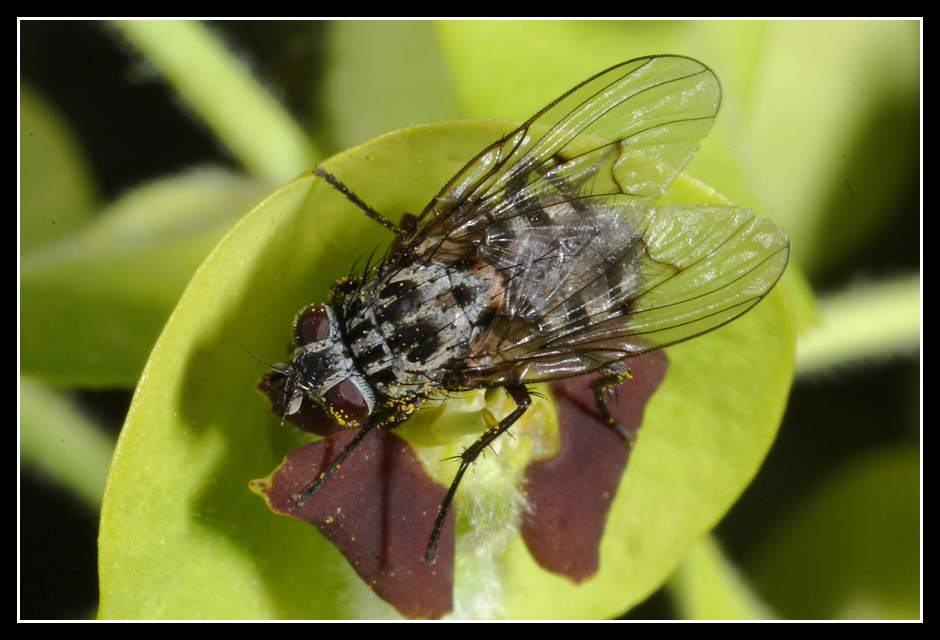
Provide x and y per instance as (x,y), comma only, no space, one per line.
(851,548)
(183,537)
(251,123)
(707,586)
(94,303)
(62,443)
(57,194)
(818,121)
(400,66)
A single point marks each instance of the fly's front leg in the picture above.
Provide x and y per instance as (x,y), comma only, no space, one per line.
(334,182)
(386,421)
(616,373)
(522,398)
(311,488)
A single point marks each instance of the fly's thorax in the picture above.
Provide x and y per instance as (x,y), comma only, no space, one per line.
(322,371)
(410,326)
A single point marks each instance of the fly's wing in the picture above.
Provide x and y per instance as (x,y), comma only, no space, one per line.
(628,131)
(684,271)
(562,209)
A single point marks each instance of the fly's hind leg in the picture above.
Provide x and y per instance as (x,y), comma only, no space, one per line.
(615,374)
(522,398)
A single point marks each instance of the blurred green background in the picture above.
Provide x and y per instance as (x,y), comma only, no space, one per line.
(127,182)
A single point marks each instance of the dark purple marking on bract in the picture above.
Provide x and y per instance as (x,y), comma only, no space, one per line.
(570,494)
(377,509)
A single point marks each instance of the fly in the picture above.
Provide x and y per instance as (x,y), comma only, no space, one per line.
(543,258)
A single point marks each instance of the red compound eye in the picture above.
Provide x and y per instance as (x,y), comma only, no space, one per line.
(347,405)
(312,325)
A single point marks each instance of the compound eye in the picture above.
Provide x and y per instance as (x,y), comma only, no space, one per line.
(312,325)
(345,403)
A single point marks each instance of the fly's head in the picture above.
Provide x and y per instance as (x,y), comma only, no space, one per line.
(320,389)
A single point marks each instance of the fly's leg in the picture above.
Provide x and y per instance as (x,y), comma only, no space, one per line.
(521,396)
(356,200)
(387,420)
(616,373)
(311,488)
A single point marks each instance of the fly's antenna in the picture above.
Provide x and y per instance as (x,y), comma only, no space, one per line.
(279,368)
(271,381)
(356,200)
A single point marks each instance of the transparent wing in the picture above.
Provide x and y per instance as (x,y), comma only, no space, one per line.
(685,271)
(562,210)
(628,130)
